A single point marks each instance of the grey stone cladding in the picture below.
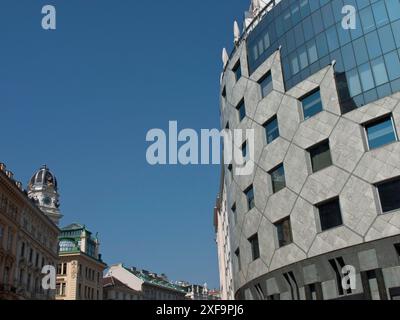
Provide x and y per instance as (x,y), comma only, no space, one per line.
(365,240)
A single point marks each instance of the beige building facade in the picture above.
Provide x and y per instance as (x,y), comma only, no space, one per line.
(28,242)
(80,268)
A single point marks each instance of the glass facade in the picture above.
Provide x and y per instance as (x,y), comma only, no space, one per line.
(311,36)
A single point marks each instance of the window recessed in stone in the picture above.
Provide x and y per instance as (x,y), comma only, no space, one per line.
(311,104)
(223,93)
(241,108)
(237,254)
(245,150)
(389,195)
(266,85)
(255,249)
(234,212)
(272,129)
(330,214)
(380,132)
(284,231)
(237,69)
(249,192)
(320,156)
(278,178)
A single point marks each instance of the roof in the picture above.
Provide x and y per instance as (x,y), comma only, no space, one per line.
(111,281)
(156,281)
(74,226)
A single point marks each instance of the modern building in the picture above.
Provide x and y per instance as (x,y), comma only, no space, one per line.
(150,285)
(113,289)
(80,267)
(222,238)
(324,103)
(28,241)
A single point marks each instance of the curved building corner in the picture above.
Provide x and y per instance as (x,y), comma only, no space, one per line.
(323,199)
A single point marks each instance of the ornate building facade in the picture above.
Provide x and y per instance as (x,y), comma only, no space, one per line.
(324,103)
(28,241)
(80,267)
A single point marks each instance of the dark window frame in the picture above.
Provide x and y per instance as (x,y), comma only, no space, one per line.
(380,184)
(249,201)
(241,109)
(315,147)
(280,224)
(324,204)
(274,189)
(378,121)
(260,83)
(267,123)
(308,95)
(255,247)
(237,70)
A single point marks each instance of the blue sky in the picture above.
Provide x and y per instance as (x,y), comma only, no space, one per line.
(81,100)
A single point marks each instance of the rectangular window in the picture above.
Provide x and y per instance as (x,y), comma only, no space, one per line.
(224,92)
(330,214)
(245,150)
(238,71)
(237,254)
(255,249)
(284,231)
(249,192)
(311,104)
(380,133)
(1,235)
(234,213)
(320,156)
(266,85)
(241,108)
(272,129)
(278,178)
(389,195)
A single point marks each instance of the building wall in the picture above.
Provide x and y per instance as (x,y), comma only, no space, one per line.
(79,277)
(352,178)
(224,248)
(28,242)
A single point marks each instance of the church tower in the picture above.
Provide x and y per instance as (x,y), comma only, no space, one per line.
(42,189)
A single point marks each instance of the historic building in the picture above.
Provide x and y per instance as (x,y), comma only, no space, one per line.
(28,241)
(43,190)
(324,103)
(113,289)
(150,285)
(80,267)
(222,238)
